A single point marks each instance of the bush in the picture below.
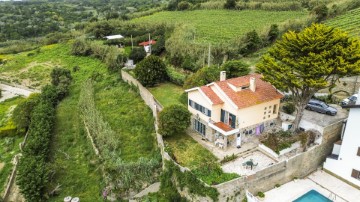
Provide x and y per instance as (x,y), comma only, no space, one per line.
(202,77)
(137,54)
(261,194)
(175,76)
(289,107)
(173,120)
(22,113)
(183,5)
(235,68)
(228,158)
(230,4)
(252,43)
(151,71)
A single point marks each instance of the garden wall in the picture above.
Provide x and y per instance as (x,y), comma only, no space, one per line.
(298,166)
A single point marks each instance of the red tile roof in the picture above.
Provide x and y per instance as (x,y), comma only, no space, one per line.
(223,126)
(211,95)
(146,43)
(264,91)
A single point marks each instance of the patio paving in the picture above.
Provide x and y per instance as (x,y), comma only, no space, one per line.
(258,157)
(324,183)
(249,143)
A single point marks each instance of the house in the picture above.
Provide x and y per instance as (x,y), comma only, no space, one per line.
(345,158)
(147,45)
(225,110)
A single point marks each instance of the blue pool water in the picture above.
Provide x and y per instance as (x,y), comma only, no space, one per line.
(312,196)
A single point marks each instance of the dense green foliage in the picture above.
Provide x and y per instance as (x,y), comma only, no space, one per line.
(235,68)
(37,18)
(137,54)
(202,77)
(173,120)
(33,172)
(22,112)
(252,43)
(151,71)
(306,62)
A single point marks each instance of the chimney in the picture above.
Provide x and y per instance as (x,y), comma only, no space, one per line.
(222,75)
(252,84)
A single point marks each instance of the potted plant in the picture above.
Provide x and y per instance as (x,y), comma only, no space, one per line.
(261,196)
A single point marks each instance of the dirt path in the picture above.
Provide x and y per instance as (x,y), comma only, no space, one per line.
(11,91)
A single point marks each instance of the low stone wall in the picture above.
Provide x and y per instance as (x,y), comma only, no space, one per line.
(298,166)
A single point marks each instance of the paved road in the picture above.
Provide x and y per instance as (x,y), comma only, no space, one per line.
(11,91)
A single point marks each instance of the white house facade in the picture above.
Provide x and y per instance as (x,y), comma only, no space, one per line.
(345,158)
(225,110)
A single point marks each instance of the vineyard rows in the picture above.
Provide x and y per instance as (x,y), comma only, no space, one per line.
(349,22)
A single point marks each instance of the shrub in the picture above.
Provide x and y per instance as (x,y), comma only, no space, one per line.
(81,47)
(261,194)
(228,158)
(61,78)
(274,33)
(137,54)
(235,68)
(151,71)
(173,120)
(22,113)
(183,5)
(230,4)
(175,76)
(252,43)
(202,77)
(289,107)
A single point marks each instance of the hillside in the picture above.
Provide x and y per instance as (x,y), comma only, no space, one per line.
(220,25)
(349,22)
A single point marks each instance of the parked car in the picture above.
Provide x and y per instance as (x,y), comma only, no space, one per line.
(321,107)
(350,100)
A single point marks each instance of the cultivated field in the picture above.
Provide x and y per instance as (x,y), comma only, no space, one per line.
(349,22)
(221,25)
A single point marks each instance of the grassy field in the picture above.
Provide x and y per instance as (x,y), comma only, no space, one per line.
(202,162)
(349,22)
(167,93)
(74,164)
(221,25)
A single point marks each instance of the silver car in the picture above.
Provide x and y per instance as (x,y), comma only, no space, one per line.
(321,107)
(350,100)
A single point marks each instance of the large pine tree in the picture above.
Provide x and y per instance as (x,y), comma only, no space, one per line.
(306,62)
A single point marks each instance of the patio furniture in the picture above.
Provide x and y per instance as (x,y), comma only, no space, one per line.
(251,164)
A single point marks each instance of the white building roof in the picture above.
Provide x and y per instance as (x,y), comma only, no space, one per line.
(114,37)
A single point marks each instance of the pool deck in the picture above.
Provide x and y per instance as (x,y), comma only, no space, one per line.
(324,183)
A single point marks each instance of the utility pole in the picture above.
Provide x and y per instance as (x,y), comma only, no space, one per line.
(209,55)
(132,44)
(149,44)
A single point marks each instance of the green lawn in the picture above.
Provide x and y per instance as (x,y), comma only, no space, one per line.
(221,25)
(349,22)
(167,93)
(201,161)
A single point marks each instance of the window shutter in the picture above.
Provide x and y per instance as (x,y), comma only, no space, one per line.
(222,116)
(190,103)
(358,153)
(209,113)
(355,174)
(233,118)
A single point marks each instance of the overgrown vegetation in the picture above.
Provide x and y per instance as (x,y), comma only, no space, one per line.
(203,163)
(151,71)
(174,120)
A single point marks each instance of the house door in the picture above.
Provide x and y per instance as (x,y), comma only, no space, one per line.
(199,127)
(238,140)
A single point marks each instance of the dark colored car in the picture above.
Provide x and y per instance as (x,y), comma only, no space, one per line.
(321,107)
(350,100)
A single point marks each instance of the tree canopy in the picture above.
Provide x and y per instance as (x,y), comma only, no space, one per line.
(306,62)
(202,77)
(235,68)
(151,71)
(173,120)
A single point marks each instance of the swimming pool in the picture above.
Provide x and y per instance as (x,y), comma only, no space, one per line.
(312,196)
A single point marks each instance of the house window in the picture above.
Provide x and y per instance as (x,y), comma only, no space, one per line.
(264,113)
(358,153)
(199,127)
(268,116)
(228,118)
(265,108)
(355,174)
(275,109)
(200,108)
